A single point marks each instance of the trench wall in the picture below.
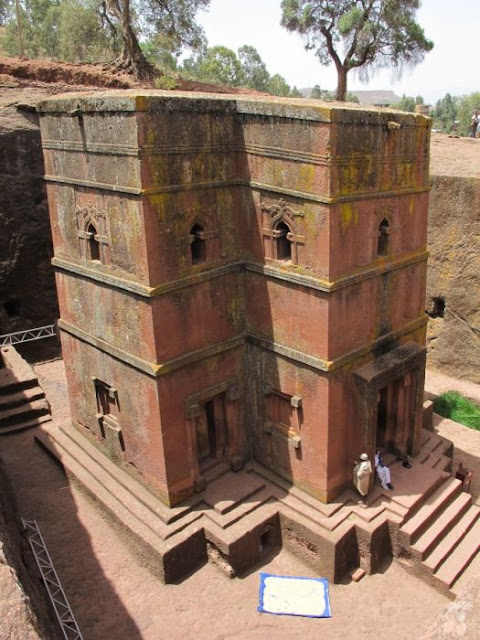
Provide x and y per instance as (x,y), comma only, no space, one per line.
(453,340)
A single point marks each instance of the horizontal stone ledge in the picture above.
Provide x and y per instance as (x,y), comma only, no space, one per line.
(293,277)
(225,148)
(156,370)
(236,182)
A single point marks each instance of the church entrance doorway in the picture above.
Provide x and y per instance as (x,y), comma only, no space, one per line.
(395,416)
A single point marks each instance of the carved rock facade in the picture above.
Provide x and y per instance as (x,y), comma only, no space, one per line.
(239,278)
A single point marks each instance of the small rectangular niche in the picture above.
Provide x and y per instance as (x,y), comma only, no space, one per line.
(438,308)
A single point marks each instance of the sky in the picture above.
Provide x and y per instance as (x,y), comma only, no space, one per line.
(451,67)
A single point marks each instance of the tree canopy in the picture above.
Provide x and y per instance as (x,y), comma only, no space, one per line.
(358,34)
(221,65)
(82,29)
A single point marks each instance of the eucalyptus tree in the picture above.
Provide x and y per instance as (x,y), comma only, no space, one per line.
(358,34)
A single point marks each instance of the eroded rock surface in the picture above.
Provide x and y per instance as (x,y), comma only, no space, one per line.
(27,286)
(454,264)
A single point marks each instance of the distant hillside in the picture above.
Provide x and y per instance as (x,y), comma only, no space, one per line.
(377,98)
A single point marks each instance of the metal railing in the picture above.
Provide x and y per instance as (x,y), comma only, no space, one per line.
(28,336)
(56,594)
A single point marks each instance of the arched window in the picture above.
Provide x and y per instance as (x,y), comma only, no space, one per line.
(383,232)
(197,244)
(93,243)
(283,242)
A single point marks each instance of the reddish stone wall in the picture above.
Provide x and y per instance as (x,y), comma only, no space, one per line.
(223,268)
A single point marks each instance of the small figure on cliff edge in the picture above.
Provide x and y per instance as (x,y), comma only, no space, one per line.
(362,475)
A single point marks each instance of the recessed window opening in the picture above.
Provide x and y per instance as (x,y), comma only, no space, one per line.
(265,540)
(93,244)
(197,246)
(438,310)
(383,231)
(106,398)
(284,246)
(12,307)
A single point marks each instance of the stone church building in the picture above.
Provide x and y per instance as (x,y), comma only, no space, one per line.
(239,278)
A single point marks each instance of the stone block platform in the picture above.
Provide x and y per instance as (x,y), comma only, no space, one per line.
(22,401)
(426,522)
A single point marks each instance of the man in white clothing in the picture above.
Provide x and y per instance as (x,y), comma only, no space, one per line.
(383,472)
(362,475)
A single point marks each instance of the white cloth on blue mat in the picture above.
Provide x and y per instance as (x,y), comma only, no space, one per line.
(295,596)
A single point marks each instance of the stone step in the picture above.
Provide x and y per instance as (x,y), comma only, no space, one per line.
(441,526)
(446,546)
(30,423)
(456,563)
(92,475)
(437,460)
(18,398)
(142,494)
(325,509)
(16,374)
(168,559)
(425,514)
(433,443)
(21,413)
(471,573)
(229,518)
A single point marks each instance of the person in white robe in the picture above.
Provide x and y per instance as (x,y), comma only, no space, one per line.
(362,475)
(383,472)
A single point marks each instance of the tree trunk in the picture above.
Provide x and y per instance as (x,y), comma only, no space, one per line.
(131,59)
(341,93)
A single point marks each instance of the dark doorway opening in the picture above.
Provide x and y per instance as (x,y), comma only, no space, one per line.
(382,415)
(211,432)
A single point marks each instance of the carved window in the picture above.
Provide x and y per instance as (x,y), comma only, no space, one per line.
(106,398)
(281,237)
(383,238)
(279,409)
(108,414)
(197,244)
(92,234)
(283,415)
(93,244)
(283,243)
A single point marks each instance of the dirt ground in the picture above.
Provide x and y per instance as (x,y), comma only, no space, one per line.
(115,598)
(454,156)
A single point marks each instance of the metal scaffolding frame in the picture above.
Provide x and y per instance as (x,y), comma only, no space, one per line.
(27,336)
(56,594)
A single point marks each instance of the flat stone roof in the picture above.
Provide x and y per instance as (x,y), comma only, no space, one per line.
(297,108)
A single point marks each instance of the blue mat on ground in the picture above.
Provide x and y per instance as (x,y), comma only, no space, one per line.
(294,596)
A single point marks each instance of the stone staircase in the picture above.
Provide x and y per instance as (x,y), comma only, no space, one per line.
(22,402)
(441,537)
(426,522)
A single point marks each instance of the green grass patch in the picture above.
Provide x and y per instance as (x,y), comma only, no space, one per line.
(454,406)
